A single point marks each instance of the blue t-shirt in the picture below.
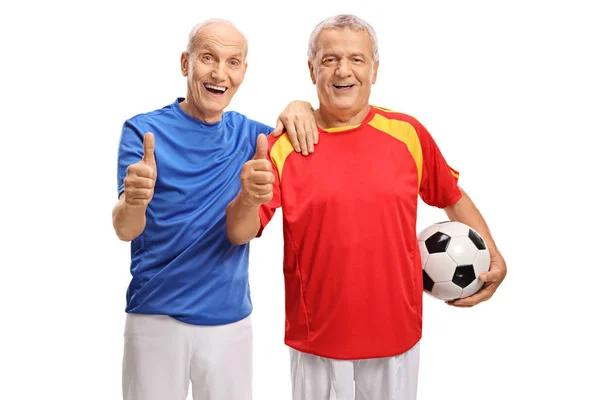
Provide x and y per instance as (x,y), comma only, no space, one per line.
(183,264)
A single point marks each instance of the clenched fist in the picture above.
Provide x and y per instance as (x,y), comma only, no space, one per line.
(141,176)
(257,178)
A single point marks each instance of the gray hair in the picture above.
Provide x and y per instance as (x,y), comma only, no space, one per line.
(197,27)
(342,21)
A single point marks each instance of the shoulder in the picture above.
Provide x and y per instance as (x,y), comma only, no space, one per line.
(280,147)
(145,118)
(238,120)
(282,141)
(394,115)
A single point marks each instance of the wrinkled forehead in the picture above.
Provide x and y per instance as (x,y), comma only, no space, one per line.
(222,38)
(343,41)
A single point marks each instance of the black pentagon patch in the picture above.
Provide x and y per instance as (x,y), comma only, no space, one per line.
(427,282)
(437,243)
(463,275)
(476,239)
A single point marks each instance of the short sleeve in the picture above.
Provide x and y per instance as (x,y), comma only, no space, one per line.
(131,150)
(439,181)
(256,128)
(266,211)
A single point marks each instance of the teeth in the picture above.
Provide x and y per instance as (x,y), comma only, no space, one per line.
(342,84)
(209,86)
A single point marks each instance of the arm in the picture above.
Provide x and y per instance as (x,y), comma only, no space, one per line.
(242,219)
(299,122)
(129,221)
(465,211)
(129,214)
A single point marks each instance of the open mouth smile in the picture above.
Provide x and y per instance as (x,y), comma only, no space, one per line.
(215,89)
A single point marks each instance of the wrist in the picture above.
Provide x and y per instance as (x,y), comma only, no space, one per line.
(243,201)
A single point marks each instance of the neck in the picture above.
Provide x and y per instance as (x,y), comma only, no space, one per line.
(198,113)
(328,119)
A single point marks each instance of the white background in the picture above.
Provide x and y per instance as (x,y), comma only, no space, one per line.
(510,91)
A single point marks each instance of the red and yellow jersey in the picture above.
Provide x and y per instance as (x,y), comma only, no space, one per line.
(352,268)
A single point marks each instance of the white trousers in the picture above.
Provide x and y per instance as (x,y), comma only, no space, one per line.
(162,355)
(389,378)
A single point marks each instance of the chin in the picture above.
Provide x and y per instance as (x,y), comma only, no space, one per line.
(346,105)
(217,105)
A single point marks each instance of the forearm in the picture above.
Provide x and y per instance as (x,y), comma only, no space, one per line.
(243,221)
(129,221)
(465,211)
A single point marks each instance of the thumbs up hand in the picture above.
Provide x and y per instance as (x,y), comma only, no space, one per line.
(256,177)
(141,176)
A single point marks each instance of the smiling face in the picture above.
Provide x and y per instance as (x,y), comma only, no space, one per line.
(343,70)
(214,69)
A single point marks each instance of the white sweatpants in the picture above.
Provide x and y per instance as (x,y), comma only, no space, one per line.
(389,378)
(162,355)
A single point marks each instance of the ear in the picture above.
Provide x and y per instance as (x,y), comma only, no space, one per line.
(312,72)
(375,68)
(184,63)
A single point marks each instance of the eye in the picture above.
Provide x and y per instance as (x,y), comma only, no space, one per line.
(328,60)
(234,63)
(357,60)
(206,58)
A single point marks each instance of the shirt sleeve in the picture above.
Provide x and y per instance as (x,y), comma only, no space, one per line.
(439,181)
(266,211)
(257,129)
(131,150)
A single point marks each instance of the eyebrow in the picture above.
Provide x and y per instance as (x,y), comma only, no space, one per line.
(210,49)
(336,55)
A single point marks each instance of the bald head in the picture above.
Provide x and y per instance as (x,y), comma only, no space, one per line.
(217,31)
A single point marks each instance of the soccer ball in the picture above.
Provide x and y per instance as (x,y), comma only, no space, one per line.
(453,256)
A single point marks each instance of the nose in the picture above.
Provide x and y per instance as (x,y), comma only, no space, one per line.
(218,72)
(344,68)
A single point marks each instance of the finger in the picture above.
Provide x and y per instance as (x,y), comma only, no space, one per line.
(278,128)
(262,189)
(140,170)
(484,294)
(256,199)
(315,130)
(309,137)
(149,148)
(452,303)
(140,194)
(302,139)
(263,166)
(146,171)
(293,135)
(262,178)
(490,276)
(262,146)
(264,198)
(141,183)
(136,202)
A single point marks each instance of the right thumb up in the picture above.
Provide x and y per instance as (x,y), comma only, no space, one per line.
(262,146)
(149,149)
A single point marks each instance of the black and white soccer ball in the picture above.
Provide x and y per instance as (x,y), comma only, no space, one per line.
(453,256)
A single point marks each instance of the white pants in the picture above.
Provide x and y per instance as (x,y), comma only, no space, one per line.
(162,355)
(389,378)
